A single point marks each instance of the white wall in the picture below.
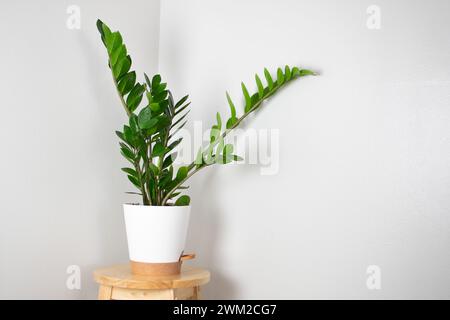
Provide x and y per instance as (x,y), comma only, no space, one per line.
(364,148)
(61,185)
(364,173)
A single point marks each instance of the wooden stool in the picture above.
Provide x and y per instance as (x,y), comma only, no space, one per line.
(118,283)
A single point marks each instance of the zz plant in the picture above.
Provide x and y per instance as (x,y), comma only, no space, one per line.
(148,141)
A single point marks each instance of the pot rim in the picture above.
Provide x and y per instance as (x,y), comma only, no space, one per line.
(133,205)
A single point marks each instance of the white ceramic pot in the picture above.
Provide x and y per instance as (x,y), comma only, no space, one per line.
(156,234)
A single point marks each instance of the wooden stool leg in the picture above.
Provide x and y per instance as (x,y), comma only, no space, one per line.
(196,293)
(104,292)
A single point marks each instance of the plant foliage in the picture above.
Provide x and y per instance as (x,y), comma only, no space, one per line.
(147,140)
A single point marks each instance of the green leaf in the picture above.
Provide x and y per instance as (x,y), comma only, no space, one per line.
(305,72)
(121,136)
(160,96)
(182,173)
(180,119)
(231,122)
(145,119)
(154,106)
(134,181)
(260,86)
(147,80)
(280,77)
(231,104)
(127,82)
(129,136)
(127,154)
(100,26)
(199,158)
(219,121)
(135,96)
(133,121)
(163,122)
(248,102)
(113,41)
(228,149)
(119,54)
(158,150)
(214,134)
(181,101)
(295,72)
(124,146)
(166,178)
(268,78)
(169,160)
(287,73)
(227,156)
(156,81)
(237,158)
(183,201)
(182,108)
(121,67)
(174,144)
(174,194)
(131,172)
(161,87)
(153,168)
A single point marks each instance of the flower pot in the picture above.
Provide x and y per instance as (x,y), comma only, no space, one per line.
(156,238)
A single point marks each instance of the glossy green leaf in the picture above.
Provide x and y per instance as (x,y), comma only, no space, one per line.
(119,54)
(305,72)
(219,121)
(121,136)
(147,80)
(135,96)
(145,119)
(131,172)
(156,81)
(134,126)
(182,109)
(134,181)
(248,103)
(199,158)
(280,77)
(155,107)
(295,72)
(121,67)
(268,78)
(180,119)
(287,73)
(231,104)
(127,83)
(260,86)
(231,122)
(183,201)
(174,144)
(127,154)
(169,160)
(182,173)
(158,150)
(181,101)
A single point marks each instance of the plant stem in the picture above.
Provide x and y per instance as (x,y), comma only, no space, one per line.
(166,198)
(124,104)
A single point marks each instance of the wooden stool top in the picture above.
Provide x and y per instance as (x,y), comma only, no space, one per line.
(121,276)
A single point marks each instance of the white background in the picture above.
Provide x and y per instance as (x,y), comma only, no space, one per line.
(364,163)
(61,185)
